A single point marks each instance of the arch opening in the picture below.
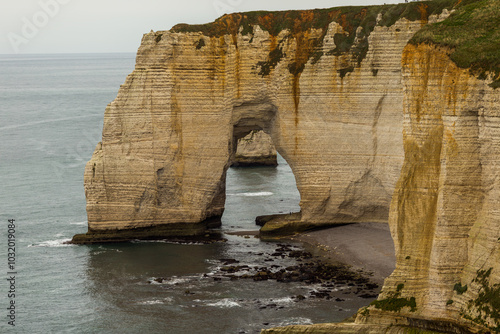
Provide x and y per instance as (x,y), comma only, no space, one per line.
(256,191)
(266,187)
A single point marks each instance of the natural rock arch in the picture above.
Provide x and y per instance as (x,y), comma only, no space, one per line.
(169,134)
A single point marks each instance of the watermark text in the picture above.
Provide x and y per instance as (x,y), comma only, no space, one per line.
(11,272)
(31,26)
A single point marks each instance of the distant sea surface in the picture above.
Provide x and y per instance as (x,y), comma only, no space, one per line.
(51,117)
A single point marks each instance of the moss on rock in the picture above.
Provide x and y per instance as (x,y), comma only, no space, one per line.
(299,23)
(472,32)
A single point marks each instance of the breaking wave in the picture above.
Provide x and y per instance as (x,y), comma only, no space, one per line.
(52,243)
(225,303)
(255,194)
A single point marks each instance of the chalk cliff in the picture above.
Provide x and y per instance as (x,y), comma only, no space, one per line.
(374,129)
(255,149)
(324,84)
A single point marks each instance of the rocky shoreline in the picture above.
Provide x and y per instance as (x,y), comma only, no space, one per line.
(366,246)
(327,280)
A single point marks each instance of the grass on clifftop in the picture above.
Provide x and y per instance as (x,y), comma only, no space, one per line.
(473,34)
(473,31)
(349,17)
(298,24)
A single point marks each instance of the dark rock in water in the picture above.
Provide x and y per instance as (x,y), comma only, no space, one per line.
(339,300)
(311,271)
(320,294)
(299,297)
(301,254)
(261,276)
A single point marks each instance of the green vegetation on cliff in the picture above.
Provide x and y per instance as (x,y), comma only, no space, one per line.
(485,308)
(472,32)
(349,17)
(299,25)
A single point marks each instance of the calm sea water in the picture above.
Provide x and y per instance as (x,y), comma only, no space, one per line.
(51,118)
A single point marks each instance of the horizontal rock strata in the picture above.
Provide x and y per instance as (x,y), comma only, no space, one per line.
(169,135)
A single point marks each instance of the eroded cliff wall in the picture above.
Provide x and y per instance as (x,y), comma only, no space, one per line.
(443,218)
(329,96)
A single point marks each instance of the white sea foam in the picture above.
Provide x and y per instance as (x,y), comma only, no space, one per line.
(52,243)
(255,194)
(79,223)
(281,301)
(225,303)
(295,321)
(170,281)
(167,300)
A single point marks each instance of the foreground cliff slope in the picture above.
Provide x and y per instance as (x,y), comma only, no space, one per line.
(445,217)
(324,84)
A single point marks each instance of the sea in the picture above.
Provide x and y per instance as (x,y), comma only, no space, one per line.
(51,118)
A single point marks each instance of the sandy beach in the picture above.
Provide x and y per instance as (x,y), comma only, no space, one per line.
(367,246)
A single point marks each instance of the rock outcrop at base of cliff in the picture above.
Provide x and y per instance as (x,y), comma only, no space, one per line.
(255,149)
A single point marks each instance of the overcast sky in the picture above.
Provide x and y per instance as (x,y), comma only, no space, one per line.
(87,26)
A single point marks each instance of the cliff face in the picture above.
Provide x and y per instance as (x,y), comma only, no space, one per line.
(444,215)
(255,149)
(336,119)
(443,218)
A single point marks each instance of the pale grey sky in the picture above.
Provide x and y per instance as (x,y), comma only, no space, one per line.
(81,26)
